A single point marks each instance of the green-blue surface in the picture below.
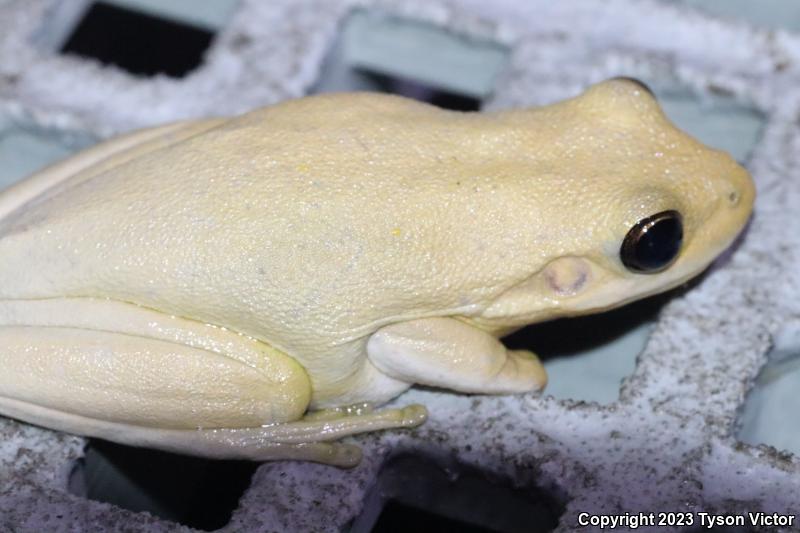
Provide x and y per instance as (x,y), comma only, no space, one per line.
(375,42)
(776,14)
(773,404)
(24,149)
(209,14)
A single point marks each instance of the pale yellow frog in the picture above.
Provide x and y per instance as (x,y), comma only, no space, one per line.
(228,287)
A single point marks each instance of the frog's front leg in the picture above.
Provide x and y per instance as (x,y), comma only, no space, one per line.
(132,375)
(445,352)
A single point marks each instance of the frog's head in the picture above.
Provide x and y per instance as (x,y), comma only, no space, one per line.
(635,206)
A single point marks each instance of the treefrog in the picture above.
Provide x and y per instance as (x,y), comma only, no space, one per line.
(250,287)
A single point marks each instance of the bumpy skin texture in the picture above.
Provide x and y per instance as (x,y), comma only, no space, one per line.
(330,228)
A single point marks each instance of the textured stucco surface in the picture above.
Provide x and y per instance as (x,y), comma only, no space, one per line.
(666,445)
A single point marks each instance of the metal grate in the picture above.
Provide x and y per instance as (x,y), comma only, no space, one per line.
(667,443)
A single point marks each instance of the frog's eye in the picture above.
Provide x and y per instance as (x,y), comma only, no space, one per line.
(653,243)
(642,85)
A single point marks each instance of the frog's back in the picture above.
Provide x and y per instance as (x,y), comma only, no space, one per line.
(290,223)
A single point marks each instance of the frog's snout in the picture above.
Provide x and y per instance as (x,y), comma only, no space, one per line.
(738,184)
(734,205)
(739,194)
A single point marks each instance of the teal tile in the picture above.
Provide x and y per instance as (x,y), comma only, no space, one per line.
(596,374)
(588,357)
(24,151)
(410,49)
(773,404)
(775,14)
(718,121)
(208,14)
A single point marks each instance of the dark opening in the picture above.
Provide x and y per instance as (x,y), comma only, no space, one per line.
(399,518)
(570,336)
(199,493)
(416,494)
(137,42)
(419,91)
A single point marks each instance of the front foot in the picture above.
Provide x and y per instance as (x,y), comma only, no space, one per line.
(523,368)
(445,352)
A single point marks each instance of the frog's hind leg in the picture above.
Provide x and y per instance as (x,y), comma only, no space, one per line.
(128,374)
(299,440)
(332,424)
(210,443)
(304,439)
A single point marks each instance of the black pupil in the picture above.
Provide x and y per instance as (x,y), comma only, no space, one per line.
(659,244)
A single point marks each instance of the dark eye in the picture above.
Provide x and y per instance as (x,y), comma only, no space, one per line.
(653,243)
(638,82)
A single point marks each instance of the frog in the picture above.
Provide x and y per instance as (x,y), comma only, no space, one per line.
(256,287)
